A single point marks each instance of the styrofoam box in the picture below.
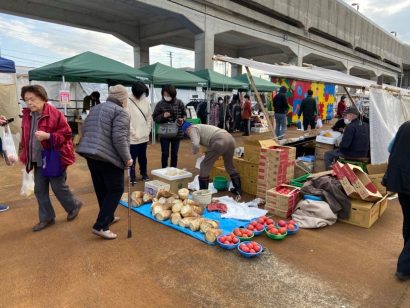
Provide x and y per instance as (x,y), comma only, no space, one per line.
(164,173)
(328,140)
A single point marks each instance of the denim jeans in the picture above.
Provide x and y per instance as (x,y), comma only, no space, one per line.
(330,157)
(281,121)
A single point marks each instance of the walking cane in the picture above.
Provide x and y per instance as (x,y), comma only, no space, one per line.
(129,203)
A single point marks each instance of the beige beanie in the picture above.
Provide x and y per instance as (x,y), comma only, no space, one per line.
(119,92)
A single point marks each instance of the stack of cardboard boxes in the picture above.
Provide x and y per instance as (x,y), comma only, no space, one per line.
(368,204)
(282,200)
(276,167)
(248,166)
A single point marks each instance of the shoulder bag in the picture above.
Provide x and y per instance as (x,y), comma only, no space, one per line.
(51,161)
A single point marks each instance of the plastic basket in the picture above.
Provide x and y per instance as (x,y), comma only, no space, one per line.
(203,197)
(220,183)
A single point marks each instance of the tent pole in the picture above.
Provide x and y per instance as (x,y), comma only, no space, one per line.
(208,106)
(351,98)
(153,123)
(258,98)
(65,105)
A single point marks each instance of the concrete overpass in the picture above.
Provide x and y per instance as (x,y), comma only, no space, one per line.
(326,33)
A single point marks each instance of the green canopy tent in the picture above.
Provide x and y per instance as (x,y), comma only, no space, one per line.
(218,81)
(261,84)
(161,74)
(88,67)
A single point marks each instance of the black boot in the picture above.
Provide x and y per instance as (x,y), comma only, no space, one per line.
(203,182)
(236,182)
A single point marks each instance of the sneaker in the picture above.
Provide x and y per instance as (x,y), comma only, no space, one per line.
(145,178)
(116,219)
(3,208)
(43,224)
(107,234)
(74,213)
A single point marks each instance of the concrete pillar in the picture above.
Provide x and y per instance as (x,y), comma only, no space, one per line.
(204,51)
(380,80)
(141,56)
(295,60)
(236,70)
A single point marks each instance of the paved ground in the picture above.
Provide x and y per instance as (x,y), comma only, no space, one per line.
(67,266)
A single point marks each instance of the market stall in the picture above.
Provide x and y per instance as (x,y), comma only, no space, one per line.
(85,67)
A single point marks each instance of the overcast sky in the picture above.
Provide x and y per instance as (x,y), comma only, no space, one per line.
(35,43)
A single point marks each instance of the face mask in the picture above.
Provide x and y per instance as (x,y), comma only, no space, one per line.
(220,102)
(167,98)
(347,121)
(142,96)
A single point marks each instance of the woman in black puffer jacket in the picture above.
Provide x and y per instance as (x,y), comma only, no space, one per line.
(169,109)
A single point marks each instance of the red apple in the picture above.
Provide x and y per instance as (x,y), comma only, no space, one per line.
(282,223)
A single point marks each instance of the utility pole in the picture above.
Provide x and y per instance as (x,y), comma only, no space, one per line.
(170,53)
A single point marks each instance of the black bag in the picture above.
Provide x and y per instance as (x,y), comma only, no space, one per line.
(168,130)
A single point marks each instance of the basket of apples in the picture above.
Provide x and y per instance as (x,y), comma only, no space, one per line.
(290,225)
(243,234)
(229,241)
(276,233)
(250,249)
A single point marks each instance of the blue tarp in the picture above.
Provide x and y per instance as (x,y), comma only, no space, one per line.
(225,224)
(7,66)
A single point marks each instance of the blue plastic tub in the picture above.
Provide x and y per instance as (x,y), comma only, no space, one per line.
(290,232)
(228,247)
(250,255)
(312,198)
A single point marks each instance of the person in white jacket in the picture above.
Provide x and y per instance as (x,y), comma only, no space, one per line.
(139,109)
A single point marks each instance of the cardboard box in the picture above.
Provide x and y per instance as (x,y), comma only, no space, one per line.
(377,169)
(376,174)
(319,166)
(341,176)
(320,153)
(363,214)
(277,212)
(362,183)
(324,146)
(377,180)
(283,201)
(246,168)
(218,171)
(252,148)
(383,205)
(175,185)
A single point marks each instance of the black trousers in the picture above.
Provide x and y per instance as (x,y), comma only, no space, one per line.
(307,122)
(247,126)
(166,144)
(108,181)
(403,264)
(138,151)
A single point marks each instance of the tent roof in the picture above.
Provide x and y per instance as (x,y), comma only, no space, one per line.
(219,81)
(7,66)
(88,67)
(302,73)
(162,74)
(261,84)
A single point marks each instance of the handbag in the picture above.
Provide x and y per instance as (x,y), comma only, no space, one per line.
(51,161)
(168,130)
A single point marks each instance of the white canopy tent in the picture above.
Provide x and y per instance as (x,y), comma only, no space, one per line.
(389,105)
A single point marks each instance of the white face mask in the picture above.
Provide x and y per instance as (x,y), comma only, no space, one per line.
(167,98)
(347,121)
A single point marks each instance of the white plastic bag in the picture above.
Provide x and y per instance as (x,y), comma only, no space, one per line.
(10,153)
(27,185)
(319,123)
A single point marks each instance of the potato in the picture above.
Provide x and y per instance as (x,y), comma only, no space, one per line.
(177,206)
(163,215)
(212,234)
(194,224)
(175,218)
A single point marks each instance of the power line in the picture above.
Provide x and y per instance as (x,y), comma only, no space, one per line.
(30,53)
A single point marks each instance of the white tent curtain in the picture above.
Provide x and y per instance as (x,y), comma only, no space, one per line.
(387,112)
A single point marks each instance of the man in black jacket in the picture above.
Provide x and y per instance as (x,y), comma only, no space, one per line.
(355,142)
(397,179)
(281,108)
(309,110)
